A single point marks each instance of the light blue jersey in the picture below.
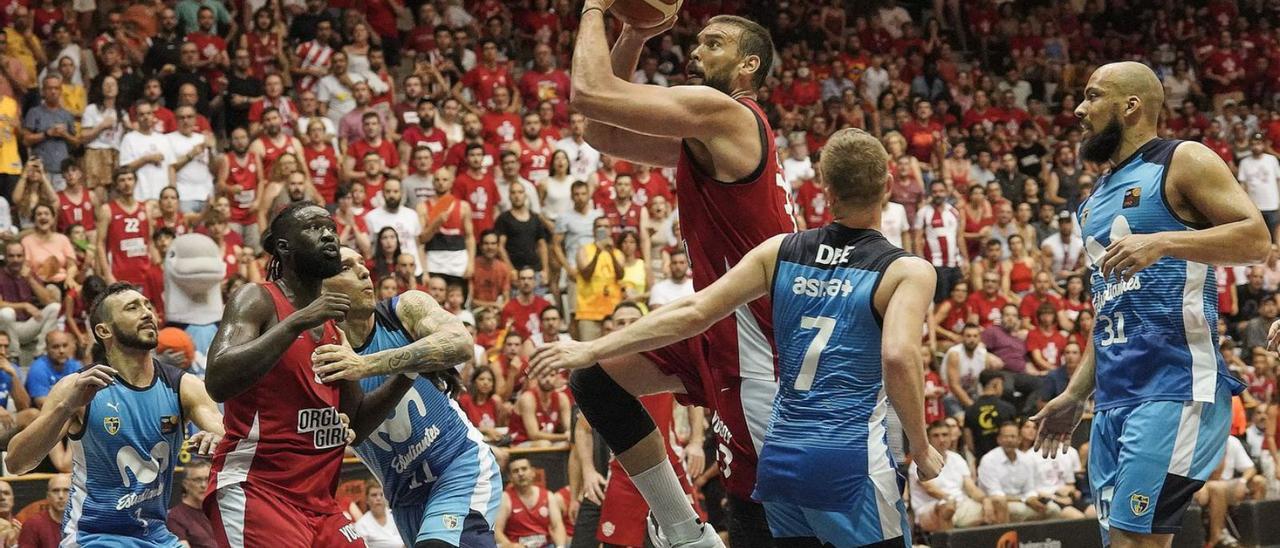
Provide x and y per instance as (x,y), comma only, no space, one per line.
(122,464)
(825,468)
(433,464)
(1155,337)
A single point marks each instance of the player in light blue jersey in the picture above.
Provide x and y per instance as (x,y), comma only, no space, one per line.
(847,310)
(125,417)
(440,477)
(1154,227)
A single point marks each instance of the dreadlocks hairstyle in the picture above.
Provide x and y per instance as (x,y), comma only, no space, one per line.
(97,315)
(277,231)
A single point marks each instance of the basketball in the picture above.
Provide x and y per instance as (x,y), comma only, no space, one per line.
(172,338)
(644,13)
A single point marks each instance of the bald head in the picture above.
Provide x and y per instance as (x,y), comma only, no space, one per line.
(1130,79)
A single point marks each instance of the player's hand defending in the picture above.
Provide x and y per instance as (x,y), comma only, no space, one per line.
(346,423)
(328,306)
(1129,254)
(338,362)
(560,355)
(929,463)
(88,383)
(203,443)
(1055,424)
(593,486)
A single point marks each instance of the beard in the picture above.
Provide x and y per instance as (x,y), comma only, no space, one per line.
(1099,147)
(391,204)
(314,263)
(273,130)
(135,340)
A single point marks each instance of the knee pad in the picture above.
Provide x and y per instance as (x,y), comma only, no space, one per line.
(612,411)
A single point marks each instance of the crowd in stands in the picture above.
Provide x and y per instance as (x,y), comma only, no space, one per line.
(441,135)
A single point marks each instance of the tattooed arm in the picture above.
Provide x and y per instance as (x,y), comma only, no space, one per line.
(441,341)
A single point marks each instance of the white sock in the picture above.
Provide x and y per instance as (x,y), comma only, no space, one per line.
(670,507)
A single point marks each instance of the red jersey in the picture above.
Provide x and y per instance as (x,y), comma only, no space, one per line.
(385,150)
(243,173)
(71,213)
(456,156)
(272,152)
(127,242)
(524,319)
(547,415)
(482,194)
(210,46)
(433,138)
(1049,344)
(1030,303)
(536,87)
(482,414)
(619,220)
(529,525)
(323,165)
(722,222)
(933,409)
(482,80)
(535,159)
(301,451)
(500,127)
(813,203)
(178,225)
(987,309)
(657,185)
(263,49)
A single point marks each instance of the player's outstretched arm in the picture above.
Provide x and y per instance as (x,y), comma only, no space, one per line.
(440,341)
(201,409)
(1201,184)
(684,318)
(1057,420)
(904,297)
(62,411)
(682,112)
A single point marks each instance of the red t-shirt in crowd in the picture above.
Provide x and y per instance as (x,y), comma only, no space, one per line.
(987,309)
(482,194)
(482,80)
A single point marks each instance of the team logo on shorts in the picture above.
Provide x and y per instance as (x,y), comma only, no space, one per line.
(450,521)
(607,528)
(1139,504)
(112,424)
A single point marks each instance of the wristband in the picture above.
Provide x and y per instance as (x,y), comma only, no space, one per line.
(584,12)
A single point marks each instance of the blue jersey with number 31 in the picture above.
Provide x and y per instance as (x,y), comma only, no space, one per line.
(827,432)
(1155,336)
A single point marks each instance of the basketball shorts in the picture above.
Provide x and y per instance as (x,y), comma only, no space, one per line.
(1147,461)
(461,507)
(729,370)
(878,518)
(244,515)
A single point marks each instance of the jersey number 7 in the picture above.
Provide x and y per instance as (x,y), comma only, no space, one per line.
(809,367)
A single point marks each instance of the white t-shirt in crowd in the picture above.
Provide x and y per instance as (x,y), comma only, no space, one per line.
(379,536)
(1260,176)
(1236,461)
(195,179)
(668,290)
(584,159)
(1055,472)
(407,225)
(997,475)
(950,480)
(109,137)
(152,178)
(339,99)
(893,222)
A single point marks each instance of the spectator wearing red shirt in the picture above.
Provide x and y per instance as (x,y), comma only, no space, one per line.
(1225,68)
(1190,123)
(373,142)
(212,48)
(1042,294)
(1045,343)
(486,78)
(623,212)
(924,134)
(648,182)
(406,111)
(273,87)
(44,530)
(472,134)
(522,314)
(475,185)
(491,281)
(806,91)
(545,82)
(321,159)
(986,304)
(501,124)
(424,133)
(540,21)
(535,149)
(983,112)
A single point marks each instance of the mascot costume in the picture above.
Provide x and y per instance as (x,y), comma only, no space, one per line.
(193,274)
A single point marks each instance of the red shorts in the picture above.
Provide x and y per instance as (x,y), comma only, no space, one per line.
(730,370)
(244,515)
(622,517)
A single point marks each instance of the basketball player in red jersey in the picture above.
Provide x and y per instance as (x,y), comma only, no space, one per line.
(124,243)
(732,197)
(529,514)
(238,180)
(275,472)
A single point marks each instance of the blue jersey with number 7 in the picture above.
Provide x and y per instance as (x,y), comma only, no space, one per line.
(1155,337)
(827,431)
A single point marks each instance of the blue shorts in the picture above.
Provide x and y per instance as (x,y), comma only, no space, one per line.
(877,517)
(462,506)
(1147,461)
